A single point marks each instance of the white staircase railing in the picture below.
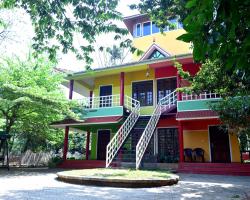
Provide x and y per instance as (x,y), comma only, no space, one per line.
(165,103)
(118,139)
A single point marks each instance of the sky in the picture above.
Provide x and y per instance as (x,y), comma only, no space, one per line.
(21,33)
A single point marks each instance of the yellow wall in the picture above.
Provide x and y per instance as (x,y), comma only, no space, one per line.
(199,138)
(130,77)
(235,148)
(113,80)
(166,41)
(195,139)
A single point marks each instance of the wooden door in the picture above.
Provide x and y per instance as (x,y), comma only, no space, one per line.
(105,98)
(103,140)
(219,144)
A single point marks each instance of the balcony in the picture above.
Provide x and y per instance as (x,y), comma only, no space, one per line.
(193,102)
(104,106)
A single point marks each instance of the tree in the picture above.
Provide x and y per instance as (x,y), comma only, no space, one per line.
(56,24)
(30,99)
(219,33)
(111,56)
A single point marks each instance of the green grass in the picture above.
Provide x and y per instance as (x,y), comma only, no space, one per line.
(127,174)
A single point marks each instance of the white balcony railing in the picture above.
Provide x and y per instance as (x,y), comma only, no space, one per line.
(205,95)
(100,102)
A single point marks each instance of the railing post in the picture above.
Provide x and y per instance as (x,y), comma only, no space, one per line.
(122,89)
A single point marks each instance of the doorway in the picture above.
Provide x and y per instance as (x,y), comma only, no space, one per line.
(219,144)
(105,96)
(103,140)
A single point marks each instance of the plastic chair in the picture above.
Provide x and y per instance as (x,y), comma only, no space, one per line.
(199,153)
(188,153)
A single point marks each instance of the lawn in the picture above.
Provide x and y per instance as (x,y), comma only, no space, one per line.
(128,174)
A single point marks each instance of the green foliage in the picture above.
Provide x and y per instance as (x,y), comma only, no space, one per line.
(56,24)
(30,99)
(54,162)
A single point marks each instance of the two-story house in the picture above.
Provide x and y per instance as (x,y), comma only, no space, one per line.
(135,116)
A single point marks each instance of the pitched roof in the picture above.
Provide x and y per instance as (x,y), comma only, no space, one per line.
(151,49)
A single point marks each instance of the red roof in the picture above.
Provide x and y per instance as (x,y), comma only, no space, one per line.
(112,119)
(202,114)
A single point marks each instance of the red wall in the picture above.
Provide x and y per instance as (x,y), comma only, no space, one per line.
(199,124)
(170,71)
(168,122)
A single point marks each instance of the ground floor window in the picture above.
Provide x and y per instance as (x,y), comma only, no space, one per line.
(143,92)
(168,145)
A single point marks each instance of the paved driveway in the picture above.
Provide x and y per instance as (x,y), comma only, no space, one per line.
(37,184)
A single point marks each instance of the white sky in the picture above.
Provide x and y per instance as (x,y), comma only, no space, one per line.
(22,32)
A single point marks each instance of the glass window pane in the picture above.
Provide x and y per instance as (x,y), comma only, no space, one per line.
(143,92)
(173,23)
(138,30)
(180,25)
(147,28)
(155,29)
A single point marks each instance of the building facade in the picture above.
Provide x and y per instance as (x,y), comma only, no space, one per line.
(134,116)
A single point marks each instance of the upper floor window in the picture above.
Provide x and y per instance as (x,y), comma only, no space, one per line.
(148,28)
(143,92)
(156,54)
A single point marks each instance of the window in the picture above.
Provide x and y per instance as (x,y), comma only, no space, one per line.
(137,30)
(143,92)
(173,25)
(168,145)
(165,87)
(147,28)
(156,54)
(155,29)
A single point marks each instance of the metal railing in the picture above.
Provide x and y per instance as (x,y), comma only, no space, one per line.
(121,135)
(100,102)
(164,104)
(205,95)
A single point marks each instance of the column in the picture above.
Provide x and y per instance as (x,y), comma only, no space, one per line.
(65,146)
(66,134)
(87,145)
(178,81)
(181,143)
(90,96)
(122,89)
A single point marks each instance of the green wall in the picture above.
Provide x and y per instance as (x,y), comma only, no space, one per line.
(104,112)
(194,105)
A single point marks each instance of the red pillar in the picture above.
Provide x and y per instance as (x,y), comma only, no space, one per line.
(181,143)
(90,95)
(87,145)
(122,89)
(71,88)
(65,146)
(178,81)
(66,135)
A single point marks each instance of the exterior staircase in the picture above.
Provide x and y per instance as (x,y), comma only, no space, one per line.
(127,153)
(122,134)
(166,104)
